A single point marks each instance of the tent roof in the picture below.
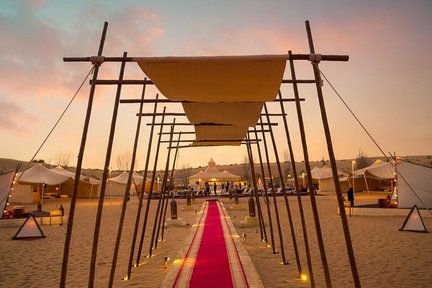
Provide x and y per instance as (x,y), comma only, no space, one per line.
(61,170)
(324,172)
(227,91)
(213,172)
(379,169)
(39,174)
(123,178)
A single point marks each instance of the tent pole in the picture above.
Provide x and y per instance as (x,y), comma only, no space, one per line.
(79,166)
(151,190)
(141,197)
(367,186)
(287,206)
(126,195)
(266,195)
(299,200)
(312,193)
(332,158)
(171,183)
(284,261)
(104,179)
(155,237)
(260,217)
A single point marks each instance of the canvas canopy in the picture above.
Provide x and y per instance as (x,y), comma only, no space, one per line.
(420,179)
(229,90)
(122,178)
(39,174)
(6,180)
(212,172)
(378,169)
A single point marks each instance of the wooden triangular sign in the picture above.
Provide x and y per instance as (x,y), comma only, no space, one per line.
(414,222)
(29,229)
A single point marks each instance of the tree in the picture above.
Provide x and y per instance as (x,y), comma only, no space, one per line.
(362,160)
(123,161)
(62,159)
(246,168)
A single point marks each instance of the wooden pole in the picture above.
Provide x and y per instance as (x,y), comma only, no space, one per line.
(126,195)
(332,159)
(150,193)
(312,195)
(141,198)
(79,166)
(284,261)
(263,231)
(287,206)
(156,237)
(171,183)
(299,200)
(266,195)
(104,180)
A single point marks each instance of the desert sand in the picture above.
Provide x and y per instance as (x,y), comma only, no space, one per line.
(385,256)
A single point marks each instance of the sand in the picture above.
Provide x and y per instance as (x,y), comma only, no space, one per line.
(385,256)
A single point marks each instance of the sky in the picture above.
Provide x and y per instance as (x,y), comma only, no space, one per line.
(386,82)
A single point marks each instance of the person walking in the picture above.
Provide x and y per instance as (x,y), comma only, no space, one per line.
(350,195)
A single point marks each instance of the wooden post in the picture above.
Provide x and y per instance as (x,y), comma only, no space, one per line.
(126,195)
(151,190)
(266,195)
(138,217)
(171,183)
(260,217)
(79,166)
(284,261)
(291,223)
(332,159)
(163,196)
(104,180)
(296,183)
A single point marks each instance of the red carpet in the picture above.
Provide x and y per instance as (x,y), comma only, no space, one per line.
(211,267)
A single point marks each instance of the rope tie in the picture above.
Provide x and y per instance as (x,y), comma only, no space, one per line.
(97,60)
(315,58)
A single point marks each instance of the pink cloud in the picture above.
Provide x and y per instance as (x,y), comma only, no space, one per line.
(14,119)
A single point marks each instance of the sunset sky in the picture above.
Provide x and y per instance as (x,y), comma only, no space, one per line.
(387,81)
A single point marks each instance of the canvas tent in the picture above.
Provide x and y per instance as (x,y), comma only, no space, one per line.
(29,187)
(378,176)
(324,176)
(6,180)
(213,174)
(420,179)
(88,187)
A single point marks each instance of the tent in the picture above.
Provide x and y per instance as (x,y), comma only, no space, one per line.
(324,175)
(88,187)
(420,179)
(378,176)
(6,180)
(117,185)
(30,185)
(213,174)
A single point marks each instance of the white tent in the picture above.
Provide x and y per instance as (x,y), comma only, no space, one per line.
(117,185)
(28,189)
(6,180)
(374,174)
(324,175)
(420,179)
(213,174)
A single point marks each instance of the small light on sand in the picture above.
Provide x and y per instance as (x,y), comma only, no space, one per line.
(235,236)
(166,261)
(303,276)
(126,278)
(244,236)
(269,246)
(177,261)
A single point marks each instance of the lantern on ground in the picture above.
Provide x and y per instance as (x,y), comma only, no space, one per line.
(251,203)
(173,209)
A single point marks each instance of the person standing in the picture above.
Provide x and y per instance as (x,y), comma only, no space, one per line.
(350,195)
(214,188)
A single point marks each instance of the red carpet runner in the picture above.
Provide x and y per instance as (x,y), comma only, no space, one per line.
(211,267)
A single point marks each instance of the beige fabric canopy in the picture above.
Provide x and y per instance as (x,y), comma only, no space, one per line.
(228,90)
(216,79)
